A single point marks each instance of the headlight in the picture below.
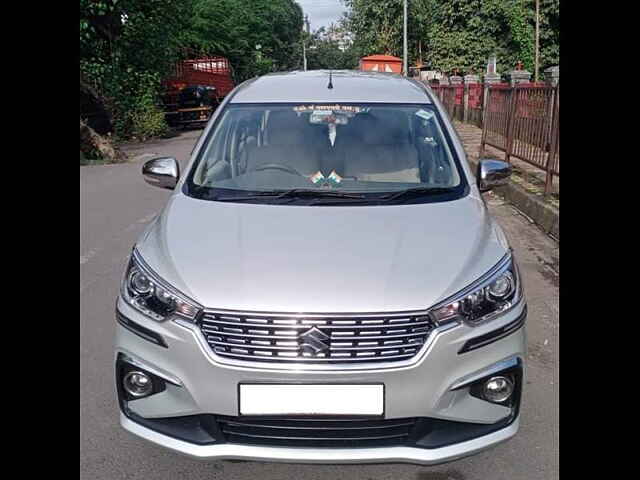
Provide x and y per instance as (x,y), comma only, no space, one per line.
(146,292)
(493,294)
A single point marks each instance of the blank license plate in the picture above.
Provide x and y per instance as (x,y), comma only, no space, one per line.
(266,399)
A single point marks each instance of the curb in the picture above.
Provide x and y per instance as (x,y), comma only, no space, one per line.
(545,216)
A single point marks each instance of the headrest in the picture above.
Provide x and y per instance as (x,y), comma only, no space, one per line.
(381,129)
(286,128)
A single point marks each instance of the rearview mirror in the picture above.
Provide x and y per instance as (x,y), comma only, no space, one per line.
(492,173)
(161,172)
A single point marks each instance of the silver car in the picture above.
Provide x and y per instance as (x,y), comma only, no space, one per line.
(325,284)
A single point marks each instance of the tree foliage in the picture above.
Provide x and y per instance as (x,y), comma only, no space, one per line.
(464,33)
(457,34)
(549,33)
(377,25)
(258,36)
(128,46)
(330,48)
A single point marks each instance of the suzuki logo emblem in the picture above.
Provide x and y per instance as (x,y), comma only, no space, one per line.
(313,341)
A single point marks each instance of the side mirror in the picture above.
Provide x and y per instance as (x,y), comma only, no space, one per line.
(161,172)
(492,173)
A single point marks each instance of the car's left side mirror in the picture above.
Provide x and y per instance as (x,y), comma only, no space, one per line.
(492,173)
(161,172)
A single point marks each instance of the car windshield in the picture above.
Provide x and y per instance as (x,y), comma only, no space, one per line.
(348,151)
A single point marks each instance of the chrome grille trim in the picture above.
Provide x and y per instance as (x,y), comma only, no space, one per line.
(353,338)
(307,326)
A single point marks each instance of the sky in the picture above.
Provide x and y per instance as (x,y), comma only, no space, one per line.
(322,12)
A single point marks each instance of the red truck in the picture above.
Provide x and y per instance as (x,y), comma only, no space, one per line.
(195,88)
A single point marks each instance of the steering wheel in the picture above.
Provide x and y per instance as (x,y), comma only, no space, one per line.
(278,166)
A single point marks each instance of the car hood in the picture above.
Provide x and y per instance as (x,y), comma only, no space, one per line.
(314,259)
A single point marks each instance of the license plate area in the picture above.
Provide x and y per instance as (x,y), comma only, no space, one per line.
(311,399)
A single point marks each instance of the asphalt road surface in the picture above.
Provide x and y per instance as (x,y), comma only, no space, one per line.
(115,205)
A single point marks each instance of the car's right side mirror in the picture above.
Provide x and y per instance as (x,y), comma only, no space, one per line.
(492,173)
(163,172)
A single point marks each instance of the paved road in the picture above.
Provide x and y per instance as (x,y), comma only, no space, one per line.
(115,204)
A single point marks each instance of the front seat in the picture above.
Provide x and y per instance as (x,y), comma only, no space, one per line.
(288,142)
(384,152)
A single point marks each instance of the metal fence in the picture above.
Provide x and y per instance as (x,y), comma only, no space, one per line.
(451,97)
(523,122)
(495,121)
(473,104)
(462,102)
(553,163)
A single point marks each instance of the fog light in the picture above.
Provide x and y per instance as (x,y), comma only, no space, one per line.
(137,384)
(498,389)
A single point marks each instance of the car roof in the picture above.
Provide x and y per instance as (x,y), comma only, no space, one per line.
(348,86)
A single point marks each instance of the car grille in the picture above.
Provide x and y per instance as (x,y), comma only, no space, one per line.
(316,339)
(301,432)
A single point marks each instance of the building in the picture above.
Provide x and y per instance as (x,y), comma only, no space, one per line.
(381,63)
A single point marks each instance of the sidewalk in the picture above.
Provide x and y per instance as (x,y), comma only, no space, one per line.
(525,191)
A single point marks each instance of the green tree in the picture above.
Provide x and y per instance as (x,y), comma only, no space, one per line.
(257,36)
(126,48)
(549,33)
(377,25)
(462,34)
(330,49)
(457,34)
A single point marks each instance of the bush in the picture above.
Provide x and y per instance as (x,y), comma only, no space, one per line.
(146,122)
(136,114)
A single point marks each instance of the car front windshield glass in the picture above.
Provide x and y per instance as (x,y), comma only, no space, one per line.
(360,149)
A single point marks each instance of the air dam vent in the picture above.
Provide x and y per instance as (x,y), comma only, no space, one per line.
(346,433)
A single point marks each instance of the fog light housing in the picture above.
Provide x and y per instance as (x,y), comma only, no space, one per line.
(498,389)
(137,384)
(502,387)
(133,382)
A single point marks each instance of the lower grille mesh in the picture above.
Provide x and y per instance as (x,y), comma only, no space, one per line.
(316,339)
(315,432)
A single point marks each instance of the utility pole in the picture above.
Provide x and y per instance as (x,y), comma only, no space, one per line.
(304,48)
(537,39)
(404,46)
(304,57)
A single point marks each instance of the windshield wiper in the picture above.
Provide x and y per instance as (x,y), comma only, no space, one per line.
(293,194)
(414,192)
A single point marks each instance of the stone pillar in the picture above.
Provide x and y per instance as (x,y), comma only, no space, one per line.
(455,79)
(552,75)
(519,76)
(472,79)
(489,79)
(468,80)
(444,80)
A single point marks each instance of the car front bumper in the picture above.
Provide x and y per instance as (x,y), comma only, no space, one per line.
(435,386)
(227,451)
